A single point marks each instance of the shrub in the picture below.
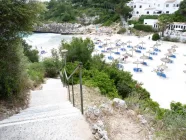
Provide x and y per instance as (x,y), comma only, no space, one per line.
(79,50)
(32,54)
(155,37)
(36,73)
(50,68)
(146,28)
(100,79)
(121,31)
(13,75)
(142,17)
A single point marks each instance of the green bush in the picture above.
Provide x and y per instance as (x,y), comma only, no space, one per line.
(155,37)
(141,27)
(100,79)
(121,31)
(32,54)
(132,22)
(79,50)
(51,70)
(36,73)
(142,17)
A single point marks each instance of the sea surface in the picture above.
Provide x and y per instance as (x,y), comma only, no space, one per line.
(45,42)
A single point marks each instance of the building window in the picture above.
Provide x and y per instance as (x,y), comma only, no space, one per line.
(147,12)
(167,5)
(137,12)
(134,6)
(167,12)
(177,5)
(140,6)
(145,23)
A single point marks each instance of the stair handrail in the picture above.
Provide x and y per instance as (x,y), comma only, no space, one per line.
(65,80)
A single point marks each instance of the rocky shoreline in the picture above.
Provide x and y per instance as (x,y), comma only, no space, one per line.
(59,28)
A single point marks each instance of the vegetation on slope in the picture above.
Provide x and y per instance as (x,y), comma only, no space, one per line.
(112,82)
(108,11)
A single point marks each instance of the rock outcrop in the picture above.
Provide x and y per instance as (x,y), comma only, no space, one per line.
(62,28)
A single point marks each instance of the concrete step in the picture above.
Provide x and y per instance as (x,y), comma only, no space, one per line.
(45,113)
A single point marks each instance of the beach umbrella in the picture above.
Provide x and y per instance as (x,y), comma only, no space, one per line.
(144,57)
(117,47)
(149,51)
(96,50)
(166,60)
(142,43)
(157,44)
(172,50)
(123,44)
(162,66)
(104,46)
(132,50)
(174,46)
(129,42)
(106,39)
(168,54)
(118,40)
(110,52)
(126,54)
(137,62)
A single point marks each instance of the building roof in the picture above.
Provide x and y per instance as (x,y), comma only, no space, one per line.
(170,1)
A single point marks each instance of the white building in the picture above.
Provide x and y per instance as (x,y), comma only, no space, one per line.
(153,7)
(172,26)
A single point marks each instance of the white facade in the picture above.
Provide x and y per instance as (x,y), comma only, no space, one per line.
(153,7)
(151,22)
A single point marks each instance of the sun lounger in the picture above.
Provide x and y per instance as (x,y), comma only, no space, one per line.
(120,66)
(118,44)
(100,46)
(109,48)
(137,69)
(173,56)
(110,58)
(123,49)
(138,51)
(154,53)
(118,53)
(171,61)
(141,48)
(161,74)
(144,63)
(103,51)
(150,58)
(129,47)
(157,50)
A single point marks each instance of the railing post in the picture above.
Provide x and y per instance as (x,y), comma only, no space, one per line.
(68,91)
(80,80)
(73,92)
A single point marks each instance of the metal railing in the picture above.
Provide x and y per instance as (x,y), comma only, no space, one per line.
(66,82)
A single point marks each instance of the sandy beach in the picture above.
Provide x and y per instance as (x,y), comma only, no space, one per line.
(162,90)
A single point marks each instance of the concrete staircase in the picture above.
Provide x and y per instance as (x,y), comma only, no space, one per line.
(50,116)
